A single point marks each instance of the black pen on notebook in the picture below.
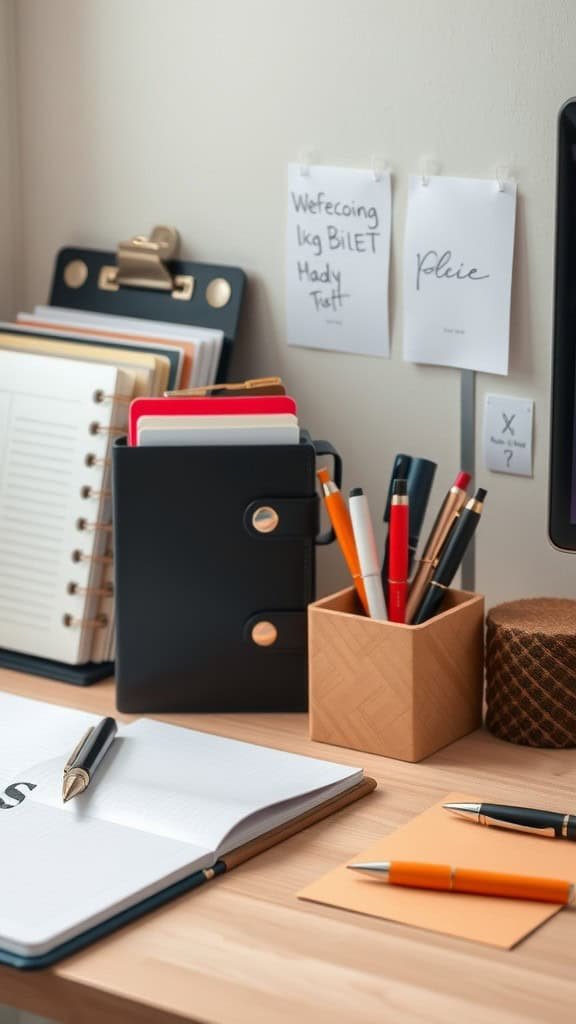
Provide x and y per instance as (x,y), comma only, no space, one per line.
(86,757)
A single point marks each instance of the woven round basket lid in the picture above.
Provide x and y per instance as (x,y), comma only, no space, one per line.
(531,672)
(549,616)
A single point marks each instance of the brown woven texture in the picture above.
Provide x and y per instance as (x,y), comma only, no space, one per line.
(531,672)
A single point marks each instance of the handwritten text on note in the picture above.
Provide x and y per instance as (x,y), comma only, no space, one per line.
(458,252)
(337,259)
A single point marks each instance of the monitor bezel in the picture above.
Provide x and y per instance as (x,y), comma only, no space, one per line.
(561,529)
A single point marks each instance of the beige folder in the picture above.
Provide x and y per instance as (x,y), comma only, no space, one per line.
(150,371)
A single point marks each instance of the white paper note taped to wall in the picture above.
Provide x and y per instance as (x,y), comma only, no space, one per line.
(458,256)
(337,259)
(508,432)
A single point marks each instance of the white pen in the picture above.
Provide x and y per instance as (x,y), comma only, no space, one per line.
(367,553)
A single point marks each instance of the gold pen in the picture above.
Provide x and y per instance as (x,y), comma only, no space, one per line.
(451,507)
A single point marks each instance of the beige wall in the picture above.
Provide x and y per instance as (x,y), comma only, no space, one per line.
(142,111)
(10,267)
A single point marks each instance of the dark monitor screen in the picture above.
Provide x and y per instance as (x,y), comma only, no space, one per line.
(562,517)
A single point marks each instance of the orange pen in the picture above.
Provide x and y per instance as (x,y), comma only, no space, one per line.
(342,525)
(445,878)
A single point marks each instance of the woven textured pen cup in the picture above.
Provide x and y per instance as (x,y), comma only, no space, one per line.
(390,689)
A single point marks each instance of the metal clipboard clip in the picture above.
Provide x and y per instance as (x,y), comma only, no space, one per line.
(142,263)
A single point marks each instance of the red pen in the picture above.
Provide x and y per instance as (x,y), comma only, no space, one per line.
(398,548)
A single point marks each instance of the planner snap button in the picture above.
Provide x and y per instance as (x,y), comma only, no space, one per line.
(264,634)
(265,519)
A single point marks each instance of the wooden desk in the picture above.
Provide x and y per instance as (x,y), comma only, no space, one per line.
(243,949)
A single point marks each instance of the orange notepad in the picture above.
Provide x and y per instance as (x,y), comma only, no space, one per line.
(443,838)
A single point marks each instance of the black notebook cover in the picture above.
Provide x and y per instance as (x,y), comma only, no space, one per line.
(194,577)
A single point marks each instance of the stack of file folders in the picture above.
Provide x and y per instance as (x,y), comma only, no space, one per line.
(67,379)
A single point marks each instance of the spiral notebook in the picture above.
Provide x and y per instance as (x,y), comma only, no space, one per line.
(57,420)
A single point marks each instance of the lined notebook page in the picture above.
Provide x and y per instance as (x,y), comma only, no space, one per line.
(47,407)
(194,787)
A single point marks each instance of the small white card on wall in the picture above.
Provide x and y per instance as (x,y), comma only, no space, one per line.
(508,432)
(337,259)
(458,256)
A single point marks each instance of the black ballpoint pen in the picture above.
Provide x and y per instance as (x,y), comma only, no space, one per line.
(520,819)
(86,756)
(451,557)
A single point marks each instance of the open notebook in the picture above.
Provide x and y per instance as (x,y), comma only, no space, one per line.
(166,807)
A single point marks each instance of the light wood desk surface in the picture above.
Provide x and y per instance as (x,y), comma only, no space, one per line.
(244,949)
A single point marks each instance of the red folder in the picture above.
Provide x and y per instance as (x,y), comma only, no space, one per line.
(263,404)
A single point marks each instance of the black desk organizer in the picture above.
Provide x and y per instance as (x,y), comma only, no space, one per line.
(215,566)
(141,279)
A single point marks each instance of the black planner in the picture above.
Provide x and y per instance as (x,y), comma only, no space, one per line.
(214,568)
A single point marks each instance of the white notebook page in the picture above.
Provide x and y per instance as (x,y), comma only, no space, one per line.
(32,731)
(186,785)
(65,875)
(195,787)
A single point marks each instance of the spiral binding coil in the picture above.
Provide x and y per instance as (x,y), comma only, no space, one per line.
(93,460)
(97,428)
(81,556)
(74,588)
(100,396)
(83,524)
(105,589)
(91,492)
(99,622)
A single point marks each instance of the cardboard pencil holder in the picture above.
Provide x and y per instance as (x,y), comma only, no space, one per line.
(390,689)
